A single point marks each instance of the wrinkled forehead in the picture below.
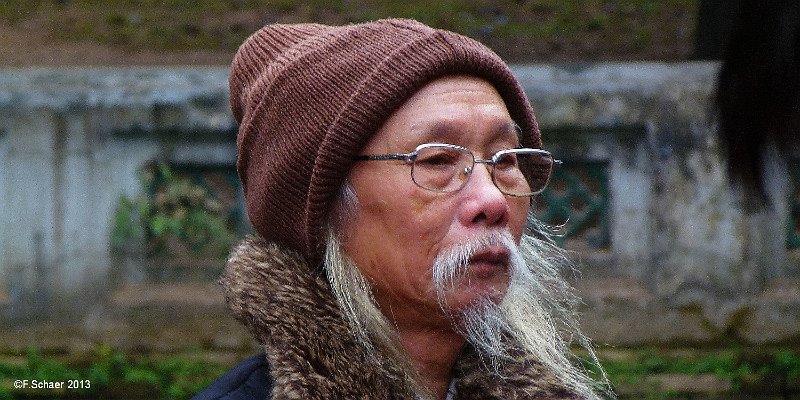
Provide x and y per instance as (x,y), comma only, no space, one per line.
(457,109)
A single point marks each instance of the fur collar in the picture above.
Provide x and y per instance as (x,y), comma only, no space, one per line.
(312,354)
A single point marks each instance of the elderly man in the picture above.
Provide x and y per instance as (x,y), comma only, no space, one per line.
(389,170)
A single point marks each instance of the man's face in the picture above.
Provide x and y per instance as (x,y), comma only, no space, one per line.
(400,228)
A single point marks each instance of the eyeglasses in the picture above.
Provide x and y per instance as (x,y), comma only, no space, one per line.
(446,168)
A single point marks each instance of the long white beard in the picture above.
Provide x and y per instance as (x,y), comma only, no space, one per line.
(481,322)
(535,316)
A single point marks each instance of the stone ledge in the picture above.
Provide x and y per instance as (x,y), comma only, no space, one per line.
(784,291)
(624,312)
(168,294)
(62,88)
(676,383)
(150,331)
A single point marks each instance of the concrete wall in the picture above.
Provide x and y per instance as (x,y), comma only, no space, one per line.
(686,263)
(72,144)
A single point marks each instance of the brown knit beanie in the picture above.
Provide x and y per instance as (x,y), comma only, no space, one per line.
(308,97)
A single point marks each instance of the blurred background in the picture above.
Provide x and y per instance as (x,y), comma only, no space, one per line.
(119,197)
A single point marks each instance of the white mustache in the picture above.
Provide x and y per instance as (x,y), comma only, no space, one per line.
(452,263)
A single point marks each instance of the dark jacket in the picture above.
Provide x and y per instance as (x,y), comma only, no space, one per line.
(310,352)
(249,380)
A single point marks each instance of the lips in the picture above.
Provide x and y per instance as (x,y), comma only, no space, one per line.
(489,261)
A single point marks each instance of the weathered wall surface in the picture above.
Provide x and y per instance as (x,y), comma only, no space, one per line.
(684,262)
(687,263)
(73,143)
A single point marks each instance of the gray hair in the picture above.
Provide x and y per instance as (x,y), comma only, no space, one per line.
(371,328)
(536,313)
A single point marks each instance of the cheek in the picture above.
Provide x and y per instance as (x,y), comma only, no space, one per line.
(416,222)
(519,209)
(429,216)
(391,219)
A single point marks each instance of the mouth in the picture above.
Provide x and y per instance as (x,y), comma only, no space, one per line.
(489,261)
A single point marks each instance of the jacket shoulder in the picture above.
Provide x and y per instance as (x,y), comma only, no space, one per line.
(250,379)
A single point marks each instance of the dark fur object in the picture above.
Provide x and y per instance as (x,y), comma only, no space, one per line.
(758,92)
(290,309)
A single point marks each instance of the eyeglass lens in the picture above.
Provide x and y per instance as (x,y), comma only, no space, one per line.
(446,169)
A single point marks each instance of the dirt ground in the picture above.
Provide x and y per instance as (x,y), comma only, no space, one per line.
(26,48)
(55,39)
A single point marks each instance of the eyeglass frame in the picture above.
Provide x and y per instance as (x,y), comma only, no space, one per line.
(410,157)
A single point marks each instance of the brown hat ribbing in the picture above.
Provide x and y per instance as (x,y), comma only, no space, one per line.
(308,97)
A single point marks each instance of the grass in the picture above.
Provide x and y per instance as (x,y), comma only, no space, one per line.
(111,374)
(596,28)
(752,371)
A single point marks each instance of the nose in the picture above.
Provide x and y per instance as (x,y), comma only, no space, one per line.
(484,204)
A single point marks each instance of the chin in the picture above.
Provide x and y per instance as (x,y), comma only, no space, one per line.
(466,297)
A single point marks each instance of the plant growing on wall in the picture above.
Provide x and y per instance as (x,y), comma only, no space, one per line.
(171,216)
